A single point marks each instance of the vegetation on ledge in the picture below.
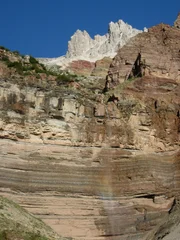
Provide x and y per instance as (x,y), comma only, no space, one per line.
(18,224)
(28,68)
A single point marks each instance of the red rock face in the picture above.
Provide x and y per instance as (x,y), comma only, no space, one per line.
(82,67)
(155,53)
(101,67)
(86,68)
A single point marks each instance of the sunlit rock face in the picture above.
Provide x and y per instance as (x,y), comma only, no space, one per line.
(93,169)
(153,53)
(83,47)
(103,165)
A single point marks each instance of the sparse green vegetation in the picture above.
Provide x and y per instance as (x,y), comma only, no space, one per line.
(131,79)
(4,48)
(29,72)
(16,235)
(17,65)
(17,224)
(16,52)
(32,60)
(5,59)
(61,79)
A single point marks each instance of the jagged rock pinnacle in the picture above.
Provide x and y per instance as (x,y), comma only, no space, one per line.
(82,47)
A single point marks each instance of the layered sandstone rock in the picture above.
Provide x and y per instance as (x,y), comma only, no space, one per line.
(101,67)
(81,67)
(93,170)
(97,165)
(86,68)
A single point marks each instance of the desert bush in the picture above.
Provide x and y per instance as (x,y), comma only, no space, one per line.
(32,60)
(4,48)
(16,52)
(5,59)
(17,65)
(62,79)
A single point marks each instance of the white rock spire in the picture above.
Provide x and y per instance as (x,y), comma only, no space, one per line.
(82,47)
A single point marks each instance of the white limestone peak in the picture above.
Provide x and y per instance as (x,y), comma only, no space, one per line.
(82,47)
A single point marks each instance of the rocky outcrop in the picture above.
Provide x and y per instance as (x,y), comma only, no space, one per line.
(86,68)
(83,47)
(101,67)
(153,53)
(81,67)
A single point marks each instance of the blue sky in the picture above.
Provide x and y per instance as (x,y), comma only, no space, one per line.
(42,28)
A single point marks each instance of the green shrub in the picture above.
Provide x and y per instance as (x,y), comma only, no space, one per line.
(38,70)
(26,68)
(29,68)
(16,52)
(32,60)
(43,67)
(5,59)
(3,235)
(26,73)
(17,65)
(38,76)
(3,48)
(34,236)
(62,79)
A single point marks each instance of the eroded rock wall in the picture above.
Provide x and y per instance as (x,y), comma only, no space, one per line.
(153,53)
(93,170)
(102,165)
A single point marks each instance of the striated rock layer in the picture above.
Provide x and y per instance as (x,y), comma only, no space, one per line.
(93,170)
(100,165)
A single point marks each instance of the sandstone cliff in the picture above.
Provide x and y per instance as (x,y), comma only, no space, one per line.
(153,53)
(94,164)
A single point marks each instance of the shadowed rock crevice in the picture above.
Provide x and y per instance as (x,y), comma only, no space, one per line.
(153,53)
(137,68)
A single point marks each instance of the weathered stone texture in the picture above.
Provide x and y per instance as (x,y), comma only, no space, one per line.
(93,170)
(153,53)
(81,67)
(103,167)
